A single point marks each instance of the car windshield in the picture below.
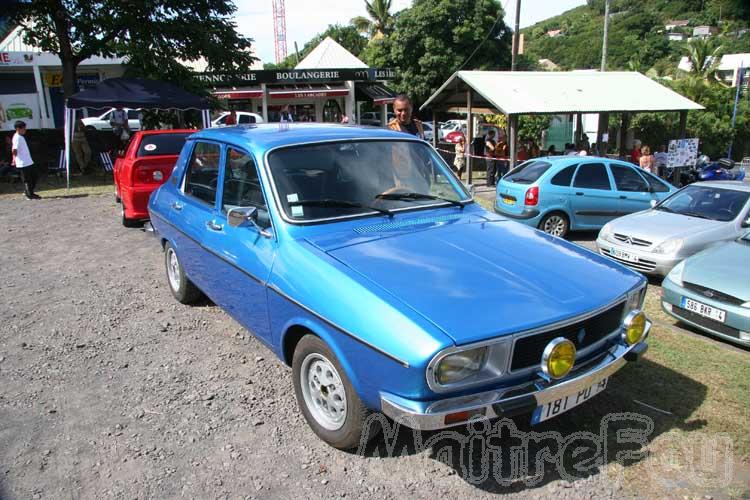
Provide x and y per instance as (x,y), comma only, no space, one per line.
(706,202)
(162,144)
(528,172)
(341,179)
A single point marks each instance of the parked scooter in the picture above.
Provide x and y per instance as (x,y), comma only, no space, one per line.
(720,170)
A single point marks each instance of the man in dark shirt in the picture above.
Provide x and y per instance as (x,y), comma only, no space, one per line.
(404,122)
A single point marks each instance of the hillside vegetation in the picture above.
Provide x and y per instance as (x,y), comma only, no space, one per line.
(637,37)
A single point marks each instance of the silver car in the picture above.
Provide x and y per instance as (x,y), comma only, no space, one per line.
(695,217)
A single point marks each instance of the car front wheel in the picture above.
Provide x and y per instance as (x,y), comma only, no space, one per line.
(327,399)
(556,224)
(181,287)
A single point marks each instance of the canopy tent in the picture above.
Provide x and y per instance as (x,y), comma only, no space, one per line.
(515,93)
(130,93)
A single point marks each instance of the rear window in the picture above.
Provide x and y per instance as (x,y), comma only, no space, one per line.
(528,172)
(162,144)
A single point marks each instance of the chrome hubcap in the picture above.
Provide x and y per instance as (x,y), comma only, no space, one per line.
(323,391)
(173,270)
(555,226)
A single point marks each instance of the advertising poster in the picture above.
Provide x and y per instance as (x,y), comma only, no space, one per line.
(19,107)
(682,153)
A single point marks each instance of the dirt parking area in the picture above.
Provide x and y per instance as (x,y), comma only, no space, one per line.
(111,389)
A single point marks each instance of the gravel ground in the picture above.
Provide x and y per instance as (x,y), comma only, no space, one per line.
(110,388)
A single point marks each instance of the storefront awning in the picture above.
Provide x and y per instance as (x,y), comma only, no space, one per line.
(239,94)
(375,92)
(306,91)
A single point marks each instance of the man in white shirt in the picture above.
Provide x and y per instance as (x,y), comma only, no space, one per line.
(23,162)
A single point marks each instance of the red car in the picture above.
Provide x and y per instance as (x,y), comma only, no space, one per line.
(145,165)
(483,128)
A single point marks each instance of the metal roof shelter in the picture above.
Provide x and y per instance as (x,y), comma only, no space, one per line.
(542,92)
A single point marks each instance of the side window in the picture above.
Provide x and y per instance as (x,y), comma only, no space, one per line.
(592,176)
(242,185)
(564,176)
(202,174)
(247,119)
(133,114)
(657,186)
(627,179)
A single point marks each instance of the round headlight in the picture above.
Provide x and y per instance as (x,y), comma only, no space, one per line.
(558,357)
(635,327)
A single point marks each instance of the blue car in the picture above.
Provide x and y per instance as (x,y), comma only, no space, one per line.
(362,262)
(558,194)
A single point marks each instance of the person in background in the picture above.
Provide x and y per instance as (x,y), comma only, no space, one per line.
(231,119)
(23,162)
(6,156)
(501,153)
(522,154)
(81,148)
(551,150)
(459,162)
(646,161)
(404,121)
(570,149)
(489,152)
(533,149)
(120,128)
(635,154)
(660,161)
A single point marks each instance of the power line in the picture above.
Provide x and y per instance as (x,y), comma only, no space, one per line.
(499,18)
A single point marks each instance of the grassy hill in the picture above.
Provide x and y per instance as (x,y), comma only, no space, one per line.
(637,38)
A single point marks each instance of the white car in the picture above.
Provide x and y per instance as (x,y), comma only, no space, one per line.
(243,118)
(429,133)
(373,118)
(450,126)
(102,122)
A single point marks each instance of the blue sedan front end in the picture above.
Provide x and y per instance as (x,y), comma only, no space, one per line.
(362,262)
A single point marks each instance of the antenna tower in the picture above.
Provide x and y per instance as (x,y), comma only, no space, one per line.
(279,30)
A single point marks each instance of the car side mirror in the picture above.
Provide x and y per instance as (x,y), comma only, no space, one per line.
(746,222)
(654,203)
(241,216)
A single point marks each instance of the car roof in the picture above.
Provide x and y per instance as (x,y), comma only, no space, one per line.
(167,131)
(271,135)
(736,185)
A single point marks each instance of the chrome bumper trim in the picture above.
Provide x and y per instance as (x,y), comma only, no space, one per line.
(493,404)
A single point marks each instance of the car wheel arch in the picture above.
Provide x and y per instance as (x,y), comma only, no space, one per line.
(558,211)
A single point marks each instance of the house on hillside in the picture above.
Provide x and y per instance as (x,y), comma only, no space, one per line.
(675,24)
(729,67)
(676,36)
(704,31)
(554,33)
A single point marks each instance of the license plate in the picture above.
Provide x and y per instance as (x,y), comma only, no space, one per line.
(509,201)
(623,255)
(565,403)
(703,309)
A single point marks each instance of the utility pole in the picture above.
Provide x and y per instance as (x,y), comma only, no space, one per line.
(606,36)
(516,37)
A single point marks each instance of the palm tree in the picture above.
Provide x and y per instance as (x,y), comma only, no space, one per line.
(704,58)
(380,21)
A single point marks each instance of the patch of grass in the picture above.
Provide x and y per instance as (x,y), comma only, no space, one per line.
(52,186)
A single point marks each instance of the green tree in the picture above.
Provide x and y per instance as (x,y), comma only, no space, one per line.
(704,57)
(433,38)
(347,36)
(380,21)
(531,127)
(154,35)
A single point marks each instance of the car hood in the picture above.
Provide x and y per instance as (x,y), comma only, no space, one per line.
(658,226)
(723,268)
(481,280)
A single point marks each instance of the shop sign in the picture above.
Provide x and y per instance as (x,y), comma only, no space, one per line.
(16,58)
(15,107)
(297,76)
(55,80)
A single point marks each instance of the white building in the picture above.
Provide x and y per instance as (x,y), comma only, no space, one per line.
(729,67)
(31,82)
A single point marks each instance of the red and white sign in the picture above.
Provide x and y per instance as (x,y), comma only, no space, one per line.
(239,94)
(303,93)
(16,58)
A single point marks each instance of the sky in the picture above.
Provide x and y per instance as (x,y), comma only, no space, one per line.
(307,18)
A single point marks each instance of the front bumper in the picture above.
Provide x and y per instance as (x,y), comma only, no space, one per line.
(506,402)
(648,262)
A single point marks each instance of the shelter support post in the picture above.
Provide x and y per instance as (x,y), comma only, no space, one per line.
(624,126)
(434,129)
(469,136)
(579,130)
(602,130)
(384,115)
(264,102)
(70,115)
(513,139)
(683,124)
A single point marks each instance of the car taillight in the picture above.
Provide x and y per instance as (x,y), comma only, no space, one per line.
(532,196)
(146,175)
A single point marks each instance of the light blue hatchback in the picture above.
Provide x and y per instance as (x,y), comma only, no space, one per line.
(558,194)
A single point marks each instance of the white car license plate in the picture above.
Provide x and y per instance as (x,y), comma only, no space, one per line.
(623,255)
(703,309)
(565,403)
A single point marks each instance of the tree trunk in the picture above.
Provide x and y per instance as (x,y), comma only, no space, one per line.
(69,76)
(67,57)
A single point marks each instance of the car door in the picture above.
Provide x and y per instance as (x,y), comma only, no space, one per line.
(194,208)
(134,119)
(594,202)
(633,191)
(241,257)
(246,118)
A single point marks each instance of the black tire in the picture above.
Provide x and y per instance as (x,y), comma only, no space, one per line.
(183,290)
(349,435)
(556,224)
(117,198)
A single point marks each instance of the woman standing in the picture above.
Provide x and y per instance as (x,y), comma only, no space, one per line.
(460,160)
(646,160)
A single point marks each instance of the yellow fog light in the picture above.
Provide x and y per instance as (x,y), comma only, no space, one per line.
(635,327)
(558,357)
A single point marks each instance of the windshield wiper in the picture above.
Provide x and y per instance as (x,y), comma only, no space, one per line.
(331,203)
(693,214)
(419,196)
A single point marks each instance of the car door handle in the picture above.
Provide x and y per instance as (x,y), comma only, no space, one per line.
(623,197)
(579,193)
(214,226)
(176,206)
